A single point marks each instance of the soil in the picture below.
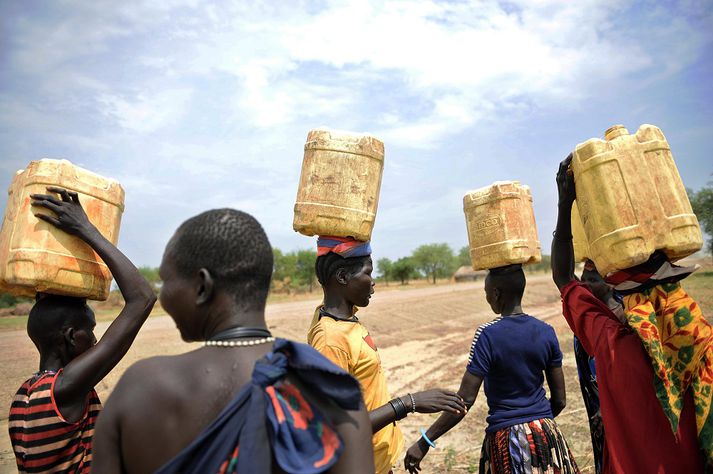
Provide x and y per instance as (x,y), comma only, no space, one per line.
(423,334)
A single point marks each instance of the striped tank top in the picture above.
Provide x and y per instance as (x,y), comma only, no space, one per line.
(41,438)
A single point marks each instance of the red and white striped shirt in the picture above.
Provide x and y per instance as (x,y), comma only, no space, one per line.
(42,439)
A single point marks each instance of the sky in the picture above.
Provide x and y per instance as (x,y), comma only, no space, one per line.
(194,105)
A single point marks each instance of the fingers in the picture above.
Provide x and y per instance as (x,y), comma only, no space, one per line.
(411,465)
(51,204)
(457,406)
(52,220)
(45,197)
(67,196)
(564,167)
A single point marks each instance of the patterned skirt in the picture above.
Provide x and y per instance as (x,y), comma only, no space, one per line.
(537,447)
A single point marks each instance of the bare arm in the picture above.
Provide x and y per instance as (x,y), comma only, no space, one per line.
(354,428)
(106,447)
(428,401)
(562,262)
(468,391)
(84,372)
(558,395)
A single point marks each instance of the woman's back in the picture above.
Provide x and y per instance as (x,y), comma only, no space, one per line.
(512,353)
(181,398)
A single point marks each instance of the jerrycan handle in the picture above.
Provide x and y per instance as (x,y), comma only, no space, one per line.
(615,131)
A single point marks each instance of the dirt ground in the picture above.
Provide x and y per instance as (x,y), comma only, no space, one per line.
(423,334)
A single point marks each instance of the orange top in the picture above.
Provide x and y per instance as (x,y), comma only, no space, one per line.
(349,345)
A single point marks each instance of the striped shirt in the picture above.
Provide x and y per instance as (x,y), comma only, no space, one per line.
(41,438)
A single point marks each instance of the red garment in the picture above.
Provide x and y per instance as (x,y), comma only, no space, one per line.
(638,436)
(42,439)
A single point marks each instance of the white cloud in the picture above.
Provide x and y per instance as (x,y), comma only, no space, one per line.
(148,113)
(197,104)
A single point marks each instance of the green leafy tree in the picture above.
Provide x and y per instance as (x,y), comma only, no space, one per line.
(404,269)
(283,266)
(702,203)
(7,300)
(304,268)
(435,260)
(385,267)
(464,257)
(151,275)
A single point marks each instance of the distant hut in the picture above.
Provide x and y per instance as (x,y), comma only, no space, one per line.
(466,273)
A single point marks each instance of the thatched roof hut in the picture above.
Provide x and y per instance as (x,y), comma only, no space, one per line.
(466,273)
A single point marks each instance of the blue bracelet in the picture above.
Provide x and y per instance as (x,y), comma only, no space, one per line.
(423,435)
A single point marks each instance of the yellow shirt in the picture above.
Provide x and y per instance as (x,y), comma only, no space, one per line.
(349,345)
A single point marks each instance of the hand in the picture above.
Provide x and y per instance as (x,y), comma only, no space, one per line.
(71,218)
(565,182)
(435,400)
(414,455)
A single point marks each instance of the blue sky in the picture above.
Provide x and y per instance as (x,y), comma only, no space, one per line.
(194,105)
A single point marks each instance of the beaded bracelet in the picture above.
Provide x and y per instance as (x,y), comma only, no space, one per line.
(413,403)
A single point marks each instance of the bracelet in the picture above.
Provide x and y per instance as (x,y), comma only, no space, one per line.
(413,403)
(423,435)
(402,407)
(399,408)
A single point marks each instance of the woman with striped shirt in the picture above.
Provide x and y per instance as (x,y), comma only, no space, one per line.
(52,416)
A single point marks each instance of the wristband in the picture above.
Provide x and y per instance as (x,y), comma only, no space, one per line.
(425,437)
(413,403)
(399,408)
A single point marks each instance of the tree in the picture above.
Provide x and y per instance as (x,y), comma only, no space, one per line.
(702,203)
(435,260)
(542,266)
(403,269)
(464,257)
(304,267)
(151,275)
(385,267)
(283,266)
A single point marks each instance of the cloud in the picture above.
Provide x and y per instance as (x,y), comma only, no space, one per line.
(147,113)
(197,104)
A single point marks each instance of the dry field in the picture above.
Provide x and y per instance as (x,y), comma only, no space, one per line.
(423,334)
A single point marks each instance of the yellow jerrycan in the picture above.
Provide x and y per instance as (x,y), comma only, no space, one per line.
(579,239)
(339,186)
(37,257)
(501,225)
(631,199)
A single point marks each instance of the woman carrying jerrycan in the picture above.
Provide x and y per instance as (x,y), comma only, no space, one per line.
(344,269)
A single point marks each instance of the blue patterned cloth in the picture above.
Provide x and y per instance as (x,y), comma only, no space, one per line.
(270,419)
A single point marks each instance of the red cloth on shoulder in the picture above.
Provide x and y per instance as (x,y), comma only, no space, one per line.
(638,436)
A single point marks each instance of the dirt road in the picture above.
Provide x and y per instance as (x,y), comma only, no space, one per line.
(423,335)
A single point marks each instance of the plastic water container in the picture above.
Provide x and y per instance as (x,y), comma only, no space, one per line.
(339,186)
(35,256)
(501,225)
(631,199)
(579,239)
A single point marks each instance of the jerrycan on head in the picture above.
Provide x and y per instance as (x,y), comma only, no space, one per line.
(501,225)
(339,186)
(37,257)
(631,199)
(579,239)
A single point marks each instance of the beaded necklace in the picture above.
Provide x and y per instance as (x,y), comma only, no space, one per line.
(226,338)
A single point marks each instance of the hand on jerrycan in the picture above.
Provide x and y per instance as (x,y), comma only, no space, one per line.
(70,216)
